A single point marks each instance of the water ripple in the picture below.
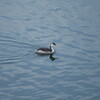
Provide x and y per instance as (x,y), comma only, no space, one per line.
(30,24)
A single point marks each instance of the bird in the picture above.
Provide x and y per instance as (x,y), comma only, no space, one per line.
(46,51)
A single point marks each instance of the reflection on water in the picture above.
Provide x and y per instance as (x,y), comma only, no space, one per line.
(73,73)
(52,57)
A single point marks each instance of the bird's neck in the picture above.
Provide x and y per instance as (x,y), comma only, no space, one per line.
(51,47)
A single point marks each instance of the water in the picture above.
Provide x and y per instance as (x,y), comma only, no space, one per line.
(74,25)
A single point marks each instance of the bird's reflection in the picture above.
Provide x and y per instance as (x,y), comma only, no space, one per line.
(52,57)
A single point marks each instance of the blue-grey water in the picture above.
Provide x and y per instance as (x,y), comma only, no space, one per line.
(74,25)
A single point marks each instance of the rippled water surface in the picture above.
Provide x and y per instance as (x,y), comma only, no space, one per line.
(74,25)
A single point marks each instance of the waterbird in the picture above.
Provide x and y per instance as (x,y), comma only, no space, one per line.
(46,50)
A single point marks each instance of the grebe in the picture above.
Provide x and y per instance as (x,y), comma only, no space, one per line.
(46,50)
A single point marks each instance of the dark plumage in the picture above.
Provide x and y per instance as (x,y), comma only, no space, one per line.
(45,49)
